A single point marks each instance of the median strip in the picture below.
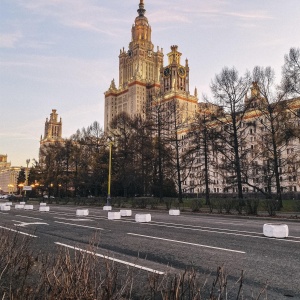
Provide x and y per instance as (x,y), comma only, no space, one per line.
(186,243)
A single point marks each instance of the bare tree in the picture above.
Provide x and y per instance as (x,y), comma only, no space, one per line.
(275,126)
(202,138)
(229,90)
(162,173)
(291,72)
(124,161)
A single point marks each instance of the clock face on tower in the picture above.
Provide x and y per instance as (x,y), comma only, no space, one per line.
(181,72)
(167,72)
(149,53)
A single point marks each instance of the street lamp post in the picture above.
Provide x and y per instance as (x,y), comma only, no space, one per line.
(109,174)
(26,175)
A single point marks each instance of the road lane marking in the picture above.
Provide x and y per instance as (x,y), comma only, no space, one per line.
(206,227)
(113,259)
(77,225)
(216,220)
(23,224)
(28,217)
(261,236)
(17,231)
(187,243)
(72,219)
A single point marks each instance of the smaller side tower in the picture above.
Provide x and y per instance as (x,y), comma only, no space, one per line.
(52,132)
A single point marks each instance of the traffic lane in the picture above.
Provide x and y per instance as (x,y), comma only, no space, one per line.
(204,261)
(70,235)
(266,260)
(69,213)
(164,225)
(193,235)
(231,222)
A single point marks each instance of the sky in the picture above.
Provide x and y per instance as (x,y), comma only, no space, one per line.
(63,54)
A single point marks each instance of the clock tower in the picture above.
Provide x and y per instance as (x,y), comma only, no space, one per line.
(175,77)
(139,73)
(174,87)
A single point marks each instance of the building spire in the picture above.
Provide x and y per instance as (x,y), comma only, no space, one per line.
(141,9)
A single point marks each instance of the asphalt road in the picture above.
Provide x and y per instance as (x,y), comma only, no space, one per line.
(172,243)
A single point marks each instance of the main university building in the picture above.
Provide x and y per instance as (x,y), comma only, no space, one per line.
(144,80)
(142,76)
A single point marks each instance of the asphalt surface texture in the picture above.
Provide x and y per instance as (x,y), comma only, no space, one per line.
(173,243)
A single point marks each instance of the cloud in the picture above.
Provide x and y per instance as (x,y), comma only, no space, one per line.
(79,14)
(249,15)
(9,40)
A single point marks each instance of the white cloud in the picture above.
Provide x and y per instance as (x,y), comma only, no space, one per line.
(9,40)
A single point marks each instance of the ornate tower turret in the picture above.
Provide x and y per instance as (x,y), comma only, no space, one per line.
(52,133)
(175,77)
(53,127)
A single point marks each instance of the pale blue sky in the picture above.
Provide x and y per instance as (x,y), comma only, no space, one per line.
(63,54)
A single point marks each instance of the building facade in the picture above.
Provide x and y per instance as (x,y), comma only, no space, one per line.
(8,176)
(143,80)
(257,158)
(147,87)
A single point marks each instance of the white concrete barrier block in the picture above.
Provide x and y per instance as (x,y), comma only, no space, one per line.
(174,212)
(107,207)
(142,218)
(114,215)
(8,203)
(28,207)
(4,207)
(276,230)
(126,212)
(44,208)
(82,212)
(43,204)
(19,206)
(22,203)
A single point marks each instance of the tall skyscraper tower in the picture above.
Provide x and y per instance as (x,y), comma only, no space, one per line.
(143,80)
(139,73)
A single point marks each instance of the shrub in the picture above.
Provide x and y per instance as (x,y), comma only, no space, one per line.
(154,202)
(271,206)
(296,205)
(228,205)
(196,205)
(239,205)
(252,206)
(168,202)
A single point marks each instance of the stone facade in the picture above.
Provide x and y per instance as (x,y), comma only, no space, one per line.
(8,176)
(147,87)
